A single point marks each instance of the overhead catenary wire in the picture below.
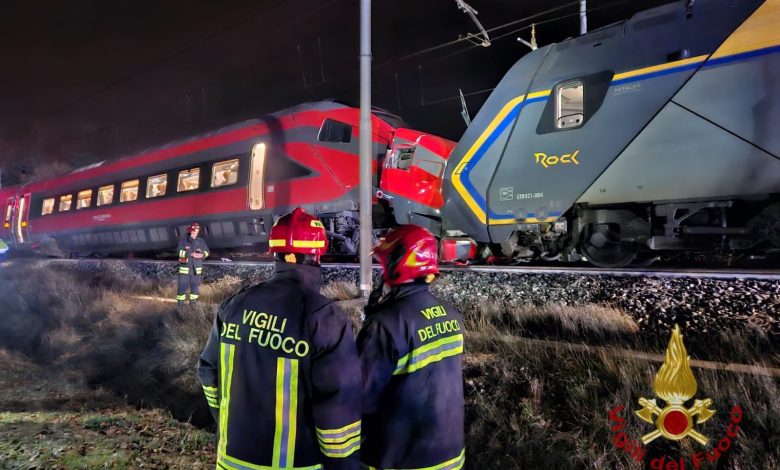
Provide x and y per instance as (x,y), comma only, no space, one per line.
(505,35)
(321,7)
(493,29)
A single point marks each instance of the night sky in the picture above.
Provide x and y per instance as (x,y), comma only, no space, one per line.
(84,81)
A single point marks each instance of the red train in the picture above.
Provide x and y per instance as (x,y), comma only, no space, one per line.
(235,182)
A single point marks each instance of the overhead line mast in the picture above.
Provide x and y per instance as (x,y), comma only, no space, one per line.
(366,157)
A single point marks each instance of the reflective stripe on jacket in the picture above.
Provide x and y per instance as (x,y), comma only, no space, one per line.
(281,374)
(188,246)
(411,346)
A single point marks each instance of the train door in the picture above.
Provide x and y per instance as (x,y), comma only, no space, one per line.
(257,177)
(7,232)
(24,218)
(19,219)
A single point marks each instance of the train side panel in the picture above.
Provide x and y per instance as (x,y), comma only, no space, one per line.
(737,87)
(716,139)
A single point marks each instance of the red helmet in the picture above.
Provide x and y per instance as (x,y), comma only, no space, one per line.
(408,252)
(298,232)
(193,226)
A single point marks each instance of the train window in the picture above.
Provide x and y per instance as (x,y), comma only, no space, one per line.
(405,159)
(401,157)
(129,191)
(65,202)
(569,105)
(224,173)
(189,180)
(48,206)
(335,131)
(84,199)
(156,186)
(105,195)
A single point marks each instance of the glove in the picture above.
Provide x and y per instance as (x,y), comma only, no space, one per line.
(197,255)
(182,260)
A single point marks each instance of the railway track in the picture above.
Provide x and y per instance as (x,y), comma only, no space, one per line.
(662,272)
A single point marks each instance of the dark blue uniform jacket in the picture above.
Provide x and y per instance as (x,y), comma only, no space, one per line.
(411,346)
(282,376)
(188,246)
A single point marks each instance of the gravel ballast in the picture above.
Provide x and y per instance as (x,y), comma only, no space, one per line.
(654,302)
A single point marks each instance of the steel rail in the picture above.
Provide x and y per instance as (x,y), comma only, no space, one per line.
(691,273)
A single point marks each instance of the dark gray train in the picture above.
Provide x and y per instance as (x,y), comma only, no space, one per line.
(658,134)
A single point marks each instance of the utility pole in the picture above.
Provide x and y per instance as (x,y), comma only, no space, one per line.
(366,150)
(583,17)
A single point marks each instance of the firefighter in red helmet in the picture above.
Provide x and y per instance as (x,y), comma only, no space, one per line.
(410,346)
(192,252)
(280,370)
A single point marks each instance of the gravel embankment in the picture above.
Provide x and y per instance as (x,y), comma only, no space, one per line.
(654,302)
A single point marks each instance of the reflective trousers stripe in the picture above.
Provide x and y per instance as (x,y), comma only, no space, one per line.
(181,296)
(226,353)
(232,463)
(452,464)
(341,442)
(286,412)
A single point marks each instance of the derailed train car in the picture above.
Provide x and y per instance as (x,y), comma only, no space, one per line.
(652,135)
(235,181)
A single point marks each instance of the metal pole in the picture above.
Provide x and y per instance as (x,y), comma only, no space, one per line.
(366,157)
(583,17)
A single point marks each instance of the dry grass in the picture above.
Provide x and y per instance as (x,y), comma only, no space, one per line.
(340,290)
(588,320)
(212,292)
(88,346)
(530,406)
(98,336)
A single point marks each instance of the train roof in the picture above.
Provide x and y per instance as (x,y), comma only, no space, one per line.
(322,105)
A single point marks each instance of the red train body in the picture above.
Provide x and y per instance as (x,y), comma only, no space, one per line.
(235,182)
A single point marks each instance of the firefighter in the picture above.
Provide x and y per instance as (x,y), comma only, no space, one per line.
(280,370)
(192,252)
(410,346)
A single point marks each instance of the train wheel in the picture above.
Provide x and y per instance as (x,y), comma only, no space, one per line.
(603,247)
(767,224)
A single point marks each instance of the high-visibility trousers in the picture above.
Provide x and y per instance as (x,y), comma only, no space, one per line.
(189,278)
